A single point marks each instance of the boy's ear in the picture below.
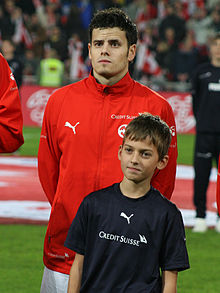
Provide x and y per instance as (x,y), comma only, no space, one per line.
(119,152)
(162,163)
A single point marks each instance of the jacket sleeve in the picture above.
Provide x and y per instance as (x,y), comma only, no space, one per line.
(11,120)
(48,152)
(164,180)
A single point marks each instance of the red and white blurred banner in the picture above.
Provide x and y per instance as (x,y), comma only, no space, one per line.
(34,99)
(181,104)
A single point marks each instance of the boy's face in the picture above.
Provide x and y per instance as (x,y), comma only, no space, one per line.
(109,53)
(139,159)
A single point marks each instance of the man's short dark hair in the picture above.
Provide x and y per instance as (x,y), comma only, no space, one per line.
(114,17)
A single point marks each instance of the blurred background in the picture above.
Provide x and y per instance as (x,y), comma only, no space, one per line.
(45,44)
(173,38)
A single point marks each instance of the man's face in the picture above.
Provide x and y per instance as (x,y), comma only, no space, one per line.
(215,50)
(139,159)
(109,54)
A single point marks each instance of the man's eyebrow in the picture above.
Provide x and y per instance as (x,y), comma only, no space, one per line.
(97,40)
(114,40)
(110,40)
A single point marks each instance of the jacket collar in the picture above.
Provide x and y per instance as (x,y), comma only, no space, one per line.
(123,87)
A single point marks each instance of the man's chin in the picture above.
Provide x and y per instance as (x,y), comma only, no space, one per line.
(105,73)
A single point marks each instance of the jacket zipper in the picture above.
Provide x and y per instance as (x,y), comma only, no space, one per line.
(101,140)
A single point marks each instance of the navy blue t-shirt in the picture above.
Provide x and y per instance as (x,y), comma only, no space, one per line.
(126,241)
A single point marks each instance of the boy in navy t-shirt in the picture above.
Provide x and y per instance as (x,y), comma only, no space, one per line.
(128,237)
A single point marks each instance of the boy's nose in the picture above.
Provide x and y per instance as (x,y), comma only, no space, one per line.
(134,158)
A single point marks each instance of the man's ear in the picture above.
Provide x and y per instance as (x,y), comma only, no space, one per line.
(89,48)
(162,163)
(119,152)
(131,52)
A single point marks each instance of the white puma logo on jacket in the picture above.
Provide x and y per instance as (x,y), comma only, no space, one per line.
(67,124)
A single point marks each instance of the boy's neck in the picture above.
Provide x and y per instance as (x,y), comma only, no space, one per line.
(134,190)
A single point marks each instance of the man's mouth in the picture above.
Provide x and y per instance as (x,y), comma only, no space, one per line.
(105,61)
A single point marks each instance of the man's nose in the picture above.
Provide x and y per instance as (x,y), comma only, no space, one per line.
(105,49)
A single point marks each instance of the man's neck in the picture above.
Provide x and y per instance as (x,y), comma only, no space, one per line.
(108,81)
(105,81)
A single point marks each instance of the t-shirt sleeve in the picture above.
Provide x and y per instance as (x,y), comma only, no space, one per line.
(173,255)
(76,237)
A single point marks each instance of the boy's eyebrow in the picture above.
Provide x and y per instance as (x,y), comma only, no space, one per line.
(147,149)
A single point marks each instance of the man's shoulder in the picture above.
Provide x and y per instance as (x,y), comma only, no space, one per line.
(203,71)
(60,94)
(73,86)
(2,58)
(203,67)
(147,92)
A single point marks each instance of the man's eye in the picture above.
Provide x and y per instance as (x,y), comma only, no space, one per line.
(97,44)
(145,154)
(114,44)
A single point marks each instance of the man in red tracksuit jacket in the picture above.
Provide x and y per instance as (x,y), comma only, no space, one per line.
(11,120)
(82,129)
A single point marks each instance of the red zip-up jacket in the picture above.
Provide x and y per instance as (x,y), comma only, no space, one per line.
(11,120)
(82,130)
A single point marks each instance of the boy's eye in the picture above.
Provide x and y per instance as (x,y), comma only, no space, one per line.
(128,150)
(146,154)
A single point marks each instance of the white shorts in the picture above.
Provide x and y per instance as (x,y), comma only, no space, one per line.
(54,282)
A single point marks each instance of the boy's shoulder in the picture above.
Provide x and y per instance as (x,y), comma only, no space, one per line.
(100,193)
(162,203)
(154,199)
